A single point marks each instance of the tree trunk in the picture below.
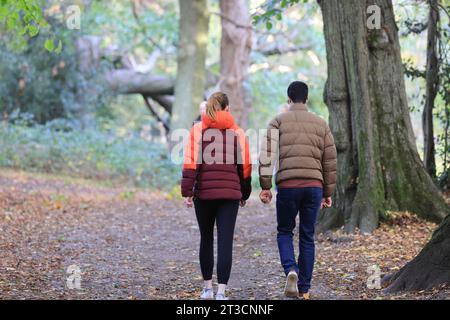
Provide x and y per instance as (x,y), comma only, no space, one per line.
(191,71)
(432,82)
(235,48)
(430,268)
(379,168)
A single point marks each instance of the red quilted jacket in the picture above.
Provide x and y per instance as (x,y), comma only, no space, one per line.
(217,160)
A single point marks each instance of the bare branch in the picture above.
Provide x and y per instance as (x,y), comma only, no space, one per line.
(228,19)
(154,113)
(276,50)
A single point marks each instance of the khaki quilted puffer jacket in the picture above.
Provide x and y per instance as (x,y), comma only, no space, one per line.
(302,144)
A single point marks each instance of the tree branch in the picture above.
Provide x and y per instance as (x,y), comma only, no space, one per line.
(233,22)
(276,50)
(155,114)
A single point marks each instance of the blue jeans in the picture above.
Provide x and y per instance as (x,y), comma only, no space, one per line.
(291,201)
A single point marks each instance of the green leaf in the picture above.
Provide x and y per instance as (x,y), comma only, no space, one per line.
(32,30)
(59,47)
(49,45)
(23,30)
(28,18)
(269,25)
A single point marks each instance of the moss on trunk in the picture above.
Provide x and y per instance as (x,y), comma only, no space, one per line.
(379,168)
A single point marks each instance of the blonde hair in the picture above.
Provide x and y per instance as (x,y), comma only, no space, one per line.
(216,102)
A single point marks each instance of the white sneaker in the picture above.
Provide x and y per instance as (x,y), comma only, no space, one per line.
(207,294)
(291,289)
(221,296)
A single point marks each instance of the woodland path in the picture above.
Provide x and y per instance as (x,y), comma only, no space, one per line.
(132,244)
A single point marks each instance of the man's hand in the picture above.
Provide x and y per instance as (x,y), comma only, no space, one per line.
(188,202)
(242,203)
(326,203)
(265,196)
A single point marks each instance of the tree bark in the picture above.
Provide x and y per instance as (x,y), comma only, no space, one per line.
(379,168)
(430,268)
(235,48)
(191,71)
(432,83)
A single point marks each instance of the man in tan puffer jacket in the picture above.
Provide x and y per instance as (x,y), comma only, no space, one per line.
(303,146)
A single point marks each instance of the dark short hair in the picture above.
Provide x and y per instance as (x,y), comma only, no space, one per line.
(298,91)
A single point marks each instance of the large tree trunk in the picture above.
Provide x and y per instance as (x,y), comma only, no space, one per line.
(379,168)
(432,82)
(191,71)
(430,268)
(235,48)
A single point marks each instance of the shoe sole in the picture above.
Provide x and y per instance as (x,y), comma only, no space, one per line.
(290,289)
(209,298)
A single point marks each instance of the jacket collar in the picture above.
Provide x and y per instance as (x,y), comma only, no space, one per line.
(298,106)
(224,120)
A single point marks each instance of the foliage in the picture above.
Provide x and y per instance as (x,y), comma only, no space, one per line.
(25,19)
(60,147)
(273,8)
(270,75)
(137,30)
(47,85)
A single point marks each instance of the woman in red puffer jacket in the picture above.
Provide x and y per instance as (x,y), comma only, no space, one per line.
(216,180)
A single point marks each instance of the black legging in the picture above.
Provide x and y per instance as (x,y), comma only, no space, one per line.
(224,213)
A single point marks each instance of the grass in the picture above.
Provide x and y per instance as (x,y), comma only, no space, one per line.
(107,157)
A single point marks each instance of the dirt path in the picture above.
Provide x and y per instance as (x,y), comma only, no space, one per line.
(137,245)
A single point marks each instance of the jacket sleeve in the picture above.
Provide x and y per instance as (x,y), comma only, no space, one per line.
(190,165)
(268,154)
(244,165)
(329,161)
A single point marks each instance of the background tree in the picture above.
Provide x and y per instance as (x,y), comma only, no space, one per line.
(235,48)
(432,86)
(436,99)
(191,74)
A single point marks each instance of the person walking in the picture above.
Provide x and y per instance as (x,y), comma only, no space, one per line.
(304,147)
(216,179)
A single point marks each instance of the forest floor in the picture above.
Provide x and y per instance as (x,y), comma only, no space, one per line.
(136,244)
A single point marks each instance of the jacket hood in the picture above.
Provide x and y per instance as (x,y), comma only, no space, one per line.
(224,120)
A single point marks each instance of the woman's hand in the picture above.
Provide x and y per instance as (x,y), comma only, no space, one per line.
(242,203)
(188,202)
